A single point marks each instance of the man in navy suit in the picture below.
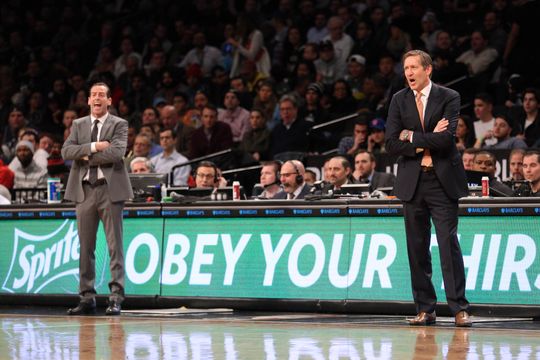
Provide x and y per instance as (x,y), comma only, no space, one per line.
(421,128)
(292,180)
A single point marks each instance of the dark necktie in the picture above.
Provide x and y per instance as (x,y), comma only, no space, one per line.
(92,177)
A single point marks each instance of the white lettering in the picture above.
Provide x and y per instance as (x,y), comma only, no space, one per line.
(25,266)
(272,256)
(317,244)
(491,262)
(519,267)
(380,266)
(473,261)
(141,277)
(346,280)
(201,258)
(179,259)
(232,255)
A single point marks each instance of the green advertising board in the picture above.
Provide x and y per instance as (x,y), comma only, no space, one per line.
(328,258)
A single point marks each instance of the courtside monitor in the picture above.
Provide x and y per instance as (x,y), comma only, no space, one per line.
(146,183)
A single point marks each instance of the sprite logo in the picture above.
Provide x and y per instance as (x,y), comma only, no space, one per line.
(45,261)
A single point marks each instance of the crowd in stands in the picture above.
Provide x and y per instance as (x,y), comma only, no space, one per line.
(263,78)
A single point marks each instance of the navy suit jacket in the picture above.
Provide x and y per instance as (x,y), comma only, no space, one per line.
(283,195)
(403,114)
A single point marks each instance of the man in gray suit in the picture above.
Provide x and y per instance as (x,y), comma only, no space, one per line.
(99,185)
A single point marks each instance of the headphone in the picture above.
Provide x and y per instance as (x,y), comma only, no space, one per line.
(209,164)
(299,178)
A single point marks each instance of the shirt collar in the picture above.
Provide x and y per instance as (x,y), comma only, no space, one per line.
(425,91)
(101,119)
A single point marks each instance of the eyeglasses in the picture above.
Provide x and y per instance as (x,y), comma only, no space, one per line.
(287,174)
(205,176)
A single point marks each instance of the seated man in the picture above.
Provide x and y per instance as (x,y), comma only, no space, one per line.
(468,158)
(484,161)
(531,171)
(501,131)
(364,172)
(292,181)
(269,179)
(28,174)
(169,158)
(140,165)
(207,175)
(339,173)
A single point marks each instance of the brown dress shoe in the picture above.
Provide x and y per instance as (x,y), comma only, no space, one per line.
(423,318)
(463,319)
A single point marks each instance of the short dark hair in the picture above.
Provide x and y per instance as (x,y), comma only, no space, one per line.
(101,83)
(363,151)
(532,153)
(173,133)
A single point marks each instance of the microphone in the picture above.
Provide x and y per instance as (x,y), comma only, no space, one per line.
(177,197)
(272,183)
(318,185)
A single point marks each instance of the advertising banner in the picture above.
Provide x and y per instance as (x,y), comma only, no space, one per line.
(328,258)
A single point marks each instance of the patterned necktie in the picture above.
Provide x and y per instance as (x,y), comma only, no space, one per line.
(92,176)
(426,159)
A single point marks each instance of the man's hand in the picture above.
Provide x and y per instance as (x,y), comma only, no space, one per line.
(441,126)
(102,145)
(404,135)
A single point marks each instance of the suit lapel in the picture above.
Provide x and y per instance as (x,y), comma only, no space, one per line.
(86,132)
(106,127)
(432,101)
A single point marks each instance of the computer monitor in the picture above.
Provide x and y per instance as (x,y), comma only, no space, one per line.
(355,189)
(146,183)
(197,192)
(474,178)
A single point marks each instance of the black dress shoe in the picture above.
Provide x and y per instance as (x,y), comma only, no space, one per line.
(114,308)
(84,308)
(423,318)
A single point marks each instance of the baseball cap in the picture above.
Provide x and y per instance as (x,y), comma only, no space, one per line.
(377,124)
(357,58)
(326,45)
(316,87)
(26,143)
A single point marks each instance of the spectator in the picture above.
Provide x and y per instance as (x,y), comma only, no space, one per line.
(495,34)
(127,54)
(501,131)
(483,126)
(212,136)
(141,148)
(16,122)
(28,174)
(464,133)
(140,165)
(206,56)
(256,141)
(529,120)
(164,162)
(429,30)
(356,74)
(342,42)
(235,116)
(376,136)
(249,46)
(364,172)
(170,120)
(531,170)
(349,145)
(292,133)
(6,176)
(319,30)
(266,101)
(329,67)
(480,56)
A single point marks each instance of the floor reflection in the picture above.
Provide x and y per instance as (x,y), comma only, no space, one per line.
(132,338)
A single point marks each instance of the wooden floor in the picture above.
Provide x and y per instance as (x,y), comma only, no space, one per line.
(231,336)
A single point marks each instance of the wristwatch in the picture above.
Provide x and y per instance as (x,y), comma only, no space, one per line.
(404,135)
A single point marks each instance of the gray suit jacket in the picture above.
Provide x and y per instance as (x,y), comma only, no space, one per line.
(110,161)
